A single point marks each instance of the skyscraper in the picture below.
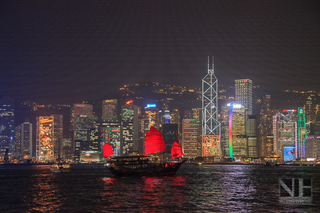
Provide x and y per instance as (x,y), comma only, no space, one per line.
(252,139)
(81,110)
(82,121)
(6,125)
(49,137)
(17,140)
(243,94)
(130,128)
(110,132)
(285,135)
(83,140)
(211,127)
(109,110)
(170,135)
(26,139)
(190,132)
(237,131)
(265,127)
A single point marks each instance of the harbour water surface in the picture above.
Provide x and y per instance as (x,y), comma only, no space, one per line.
(206,188)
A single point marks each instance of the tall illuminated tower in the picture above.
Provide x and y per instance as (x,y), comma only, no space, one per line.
(285,135)
(130,128)
(302,133)
(49,137)
(211,127)
(82,120)
(237,131)
(6,125)
(109,110)
(243,94)
(26,139)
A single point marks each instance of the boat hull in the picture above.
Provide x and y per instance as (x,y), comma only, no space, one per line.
(271,164)
(143,168)
(60,167)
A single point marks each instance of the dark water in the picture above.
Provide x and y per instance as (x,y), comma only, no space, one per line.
(207,188)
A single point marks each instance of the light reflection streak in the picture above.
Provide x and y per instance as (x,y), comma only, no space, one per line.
(148,194)
(44,191)
(162,191)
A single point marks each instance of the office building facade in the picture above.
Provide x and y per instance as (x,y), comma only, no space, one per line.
(243,94)
(130,128)
(6,125)
(110,110)
(285,135)
(190,138)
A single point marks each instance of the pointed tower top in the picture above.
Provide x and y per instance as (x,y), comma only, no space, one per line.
(211,71)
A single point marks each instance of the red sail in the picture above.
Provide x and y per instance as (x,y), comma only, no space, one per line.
(107,150)
(154,141)
(176,150)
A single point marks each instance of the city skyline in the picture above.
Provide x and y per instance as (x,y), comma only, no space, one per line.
(79,50)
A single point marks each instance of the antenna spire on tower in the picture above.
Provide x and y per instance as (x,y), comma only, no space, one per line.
(212,65)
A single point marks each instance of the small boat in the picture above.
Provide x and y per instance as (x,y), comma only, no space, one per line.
(271,160)
(59,167)
(145,165)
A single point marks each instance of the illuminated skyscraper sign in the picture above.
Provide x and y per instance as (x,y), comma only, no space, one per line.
(114,138)
(211,145)
(49,137)
(151,106)
(46,137)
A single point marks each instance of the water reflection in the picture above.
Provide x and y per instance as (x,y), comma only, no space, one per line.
(148,194)
(209,188)
(44,191)
(164,191)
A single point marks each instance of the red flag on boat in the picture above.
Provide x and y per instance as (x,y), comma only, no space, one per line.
(154,142)
(107,150)
(176,150)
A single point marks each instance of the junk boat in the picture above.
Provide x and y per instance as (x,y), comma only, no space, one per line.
(145,165)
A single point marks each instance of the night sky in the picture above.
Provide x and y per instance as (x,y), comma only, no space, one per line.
(62,51)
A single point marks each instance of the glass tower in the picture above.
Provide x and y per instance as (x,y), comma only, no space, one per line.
(6,125)
(243,94)
(211,127)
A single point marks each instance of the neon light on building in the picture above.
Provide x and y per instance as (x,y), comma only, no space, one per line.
(230,130)
(274,128)
(151,117)
(302,135)
(114,140)
(211,145)
(129,102)
(296,138)
(46,137)
(288,153)
(151,106)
